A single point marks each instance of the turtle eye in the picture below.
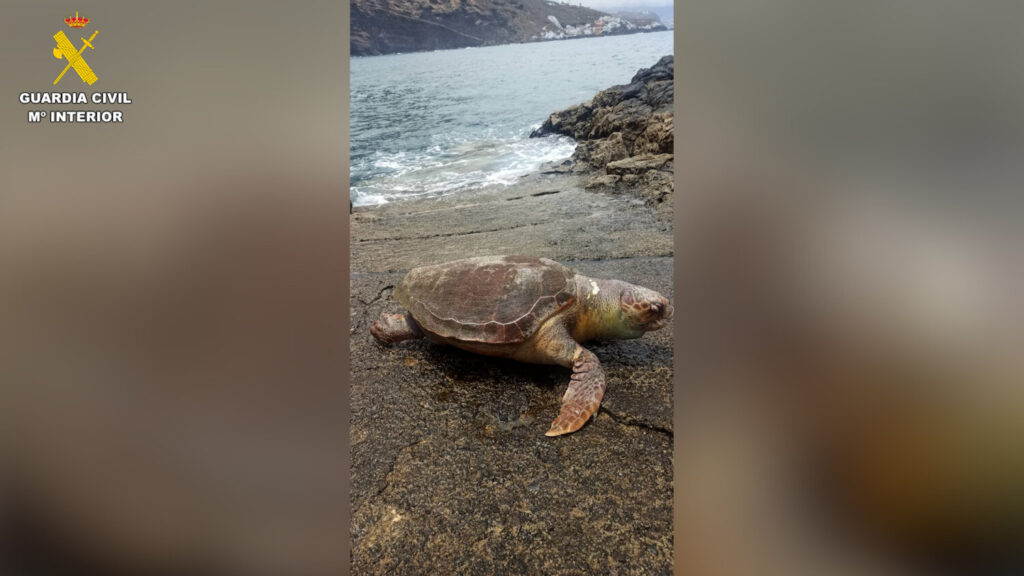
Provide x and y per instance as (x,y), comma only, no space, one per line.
(628,299)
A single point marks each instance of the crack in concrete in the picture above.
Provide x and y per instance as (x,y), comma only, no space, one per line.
(380,295)
(386,483)
(624,420)
(534,195)
(667,256)
(452,234)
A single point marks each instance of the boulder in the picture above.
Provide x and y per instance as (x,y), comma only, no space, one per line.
(602,181)
(593,153)
(641,112)
(638,164)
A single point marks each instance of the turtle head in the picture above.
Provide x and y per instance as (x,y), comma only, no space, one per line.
(644,310)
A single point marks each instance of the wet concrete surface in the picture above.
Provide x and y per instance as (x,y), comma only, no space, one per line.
(451,471)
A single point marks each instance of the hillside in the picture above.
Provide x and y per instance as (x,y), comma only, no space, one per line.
(389,26)
(640,18)
(638,13)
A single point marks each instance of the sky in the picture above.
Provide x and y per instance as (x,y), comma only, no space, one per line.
(621,4)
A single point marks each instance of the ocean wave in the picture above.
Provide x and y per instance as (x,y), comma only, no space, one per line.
(462,166)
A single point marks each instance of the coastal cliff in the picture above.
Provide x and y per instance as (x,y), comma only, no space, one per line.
(624,135)
(390,26)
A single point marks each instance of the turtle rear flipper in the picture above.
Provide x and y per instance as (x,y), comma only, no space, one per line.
(583,398)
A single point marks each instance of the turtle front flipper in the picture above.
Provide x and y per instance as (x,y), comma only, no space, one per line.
(391,328)
(583,398)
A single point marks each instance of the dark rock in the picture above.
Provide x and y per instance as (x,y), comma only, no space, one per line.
(602,181)
(563,167)
(625,130)
(638,164)
(627,108)
(591,153)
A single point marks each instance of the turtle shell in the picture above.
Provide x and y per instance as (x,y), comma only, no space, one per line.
(492,299)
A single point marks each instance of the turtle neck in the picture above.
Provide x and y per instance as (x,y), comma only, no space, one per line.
(599,316)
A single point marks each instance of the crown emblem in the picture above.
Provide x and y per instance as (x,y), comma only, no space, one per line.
(76,21)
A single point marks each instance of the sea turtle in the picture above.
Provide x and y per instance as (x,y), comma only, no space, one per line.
(529,309)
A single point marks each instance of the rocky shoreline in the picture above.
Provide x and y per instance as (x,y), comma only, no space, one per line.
(451,471)
(625,136)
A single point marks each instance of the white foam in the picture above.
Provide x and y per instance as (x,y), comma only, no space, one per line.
(459,167)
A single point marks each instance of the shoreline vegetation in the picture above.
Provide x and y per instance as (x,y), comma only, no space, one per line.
(401,26)
(451,471)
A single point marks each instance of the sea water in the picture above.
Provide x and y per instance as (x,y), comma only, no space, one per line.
(450,121)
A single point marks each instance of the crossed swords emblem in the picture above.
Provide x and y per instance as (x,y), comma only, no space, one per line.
(65,49)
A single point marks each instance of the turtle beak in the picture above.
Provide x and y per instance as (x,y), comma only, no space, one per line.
(662,312)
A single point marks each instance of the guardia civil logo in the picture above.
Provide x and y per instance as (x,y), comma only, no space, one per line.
(67,51)
(72,54)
